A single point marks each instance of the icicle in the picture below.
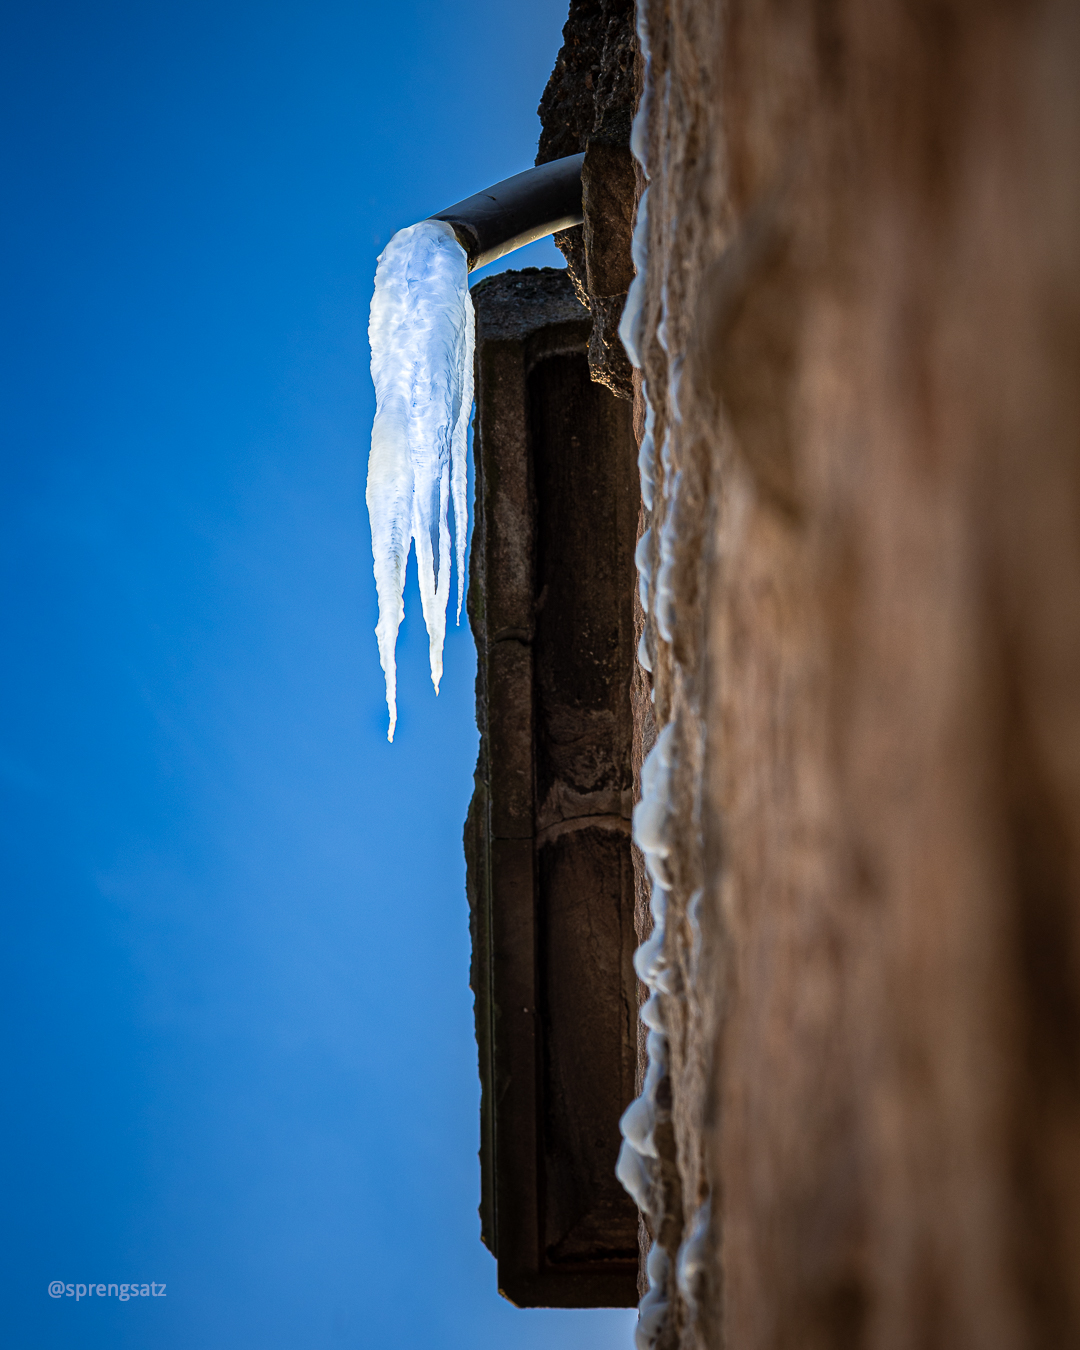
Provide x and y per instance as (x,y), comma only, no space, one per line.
(653,1308)
(693,918)
(643,562)
(652,813)
(635,1174)
(631,324)
(639,129)
(638,1155)
(422,333)
(664,586)
(691,1264)
(647,453)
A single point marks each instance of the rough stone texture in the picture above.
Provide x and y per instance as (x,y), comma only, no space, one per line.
(863,244)
(550,875)
(588,105)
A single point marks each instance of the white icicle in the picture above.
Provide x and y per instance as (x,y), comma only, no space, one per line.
(421,333)
(652,813)
(643,562)
(691,1264)
(635,1175)
(664,585)
(459,452)
(632,322)
(647,453)
(639,130)
(653,1308)
(644,659)
(639,1156)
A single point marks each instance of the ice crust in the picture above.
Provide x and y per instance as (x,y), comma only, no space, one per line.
(631,325)
(664,585)
(639,130)
(422,332)
(652,1310)
(691,1264)
(647,453)
(638,1162)
(643,563)
(638,1155)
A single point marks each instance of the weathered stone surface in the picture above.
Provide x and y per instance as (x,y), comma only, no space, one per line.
(609,195)
(586,506)
(863,225)
(588,105)
(550,875)
(593,76)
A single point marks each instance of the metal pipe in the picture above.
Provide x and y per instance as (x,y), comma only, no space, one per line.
(518,210)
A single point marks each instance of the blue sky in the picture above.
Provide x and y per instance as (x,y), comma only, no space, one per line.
(239,1043)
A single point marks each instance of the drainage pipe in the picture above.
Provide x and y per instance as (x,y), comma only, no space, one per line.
(518,210)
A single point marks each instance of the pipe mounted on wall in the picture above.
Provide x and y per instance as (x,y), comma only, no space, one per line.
(518,210)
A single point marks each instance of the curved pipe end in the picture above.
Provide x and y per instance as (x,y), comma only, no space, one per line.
(518,210)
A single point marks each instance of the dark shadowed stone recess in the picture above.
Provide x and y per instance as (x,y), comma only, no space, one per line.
(588,106)
(550,876)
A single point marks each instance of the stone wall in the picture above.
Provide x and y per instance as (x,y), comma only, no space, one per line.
(588,106)
(860,352)
(861,345)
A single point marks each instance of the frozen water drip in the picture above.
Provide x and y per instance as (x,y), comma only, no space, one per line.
(422,334)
